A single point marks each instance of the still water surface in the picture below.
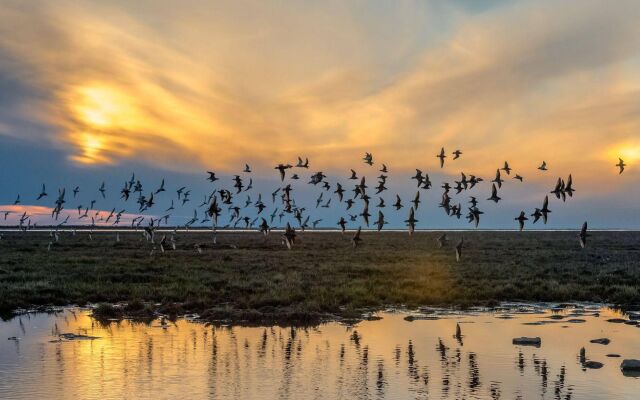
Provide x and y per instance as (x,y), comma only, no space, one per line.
(387,359)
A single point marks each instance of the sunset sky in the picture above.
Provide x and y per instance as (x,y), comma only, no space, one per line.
(91,91)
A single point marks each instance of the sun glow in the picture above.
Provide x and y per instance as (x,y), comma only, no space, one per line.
(629,152)
(102,116)
(104,107)
(90,146)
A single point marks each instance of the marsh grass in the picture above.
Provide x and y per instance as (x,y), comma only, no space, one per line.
(322,274)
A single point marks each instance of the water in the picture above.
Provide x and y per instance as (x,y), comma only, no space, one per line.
(391,358)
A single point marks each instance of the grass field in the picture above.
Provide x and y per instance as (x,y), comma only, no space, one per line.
(245,274)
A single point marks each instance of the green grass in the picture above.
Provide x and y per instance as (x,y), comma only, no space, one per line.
(322,274)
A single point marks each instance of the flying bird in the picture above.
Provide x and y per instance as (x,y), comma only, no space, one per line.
(621,165)
(42,194)
(411,221)
(441,156)
(545,209)
(459,249)
(494,194)
(583,235)
(543,166)
(521,218)
(368,158)
(355,240)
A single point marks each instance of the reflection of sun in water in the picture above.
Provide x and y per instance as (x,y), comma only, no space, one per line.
(103,113)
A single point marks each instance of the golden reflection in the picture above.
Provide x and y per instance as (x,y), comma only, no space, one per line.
(390,358)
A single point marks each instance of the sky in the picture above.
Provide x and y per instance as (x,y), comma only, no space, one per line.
(92,91)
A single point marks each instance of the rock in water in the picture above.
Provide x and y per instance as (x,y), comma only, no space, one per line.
(593,365)
(527,341)
(630,365)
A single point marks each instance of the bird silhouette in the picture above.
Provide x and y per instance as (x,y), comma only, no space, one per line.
(621,165)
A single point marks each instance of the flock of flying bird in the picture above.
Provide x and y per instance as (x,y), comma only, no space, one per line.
(284,203)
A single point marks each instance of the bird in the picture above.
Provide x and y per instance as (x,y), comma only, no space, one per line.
(543,166)
(621,165)
(521,218)
(494,194)
(289,236)
(411,221)
(416,200)
(568,189)
(497,179)
(300,164)
(441,156)
(518,177)
(343,224)
(459,249)
(456,154)
(355,240)
(102,190)
(442,240)
(368,158)
(264,227)
(506,168)
(282,168)
(536,215)
(380,222)
(398,204)
(583,235)
(353,175)
(161,188)
(212,176)
(42,194)
(545,209)
(247,169)
(365,214)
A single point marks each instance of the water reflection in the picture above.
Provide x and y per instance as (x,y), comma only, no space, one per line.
(53,356)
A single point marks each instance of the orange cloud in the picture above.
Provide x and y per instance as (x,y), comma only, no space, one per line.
(42,215)
(205,86)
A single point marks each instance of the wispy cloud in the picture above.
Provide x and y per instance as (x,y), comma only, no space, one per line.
(10,215)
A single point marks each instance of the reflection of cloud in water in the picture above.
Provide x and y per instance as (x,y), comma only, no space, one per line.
(390,358)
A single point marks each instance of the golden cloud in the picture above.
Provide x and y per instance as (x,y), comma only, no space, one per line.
(220,84)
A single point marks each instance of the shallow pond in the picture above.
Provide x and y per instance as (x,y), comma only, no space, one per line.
(389,358)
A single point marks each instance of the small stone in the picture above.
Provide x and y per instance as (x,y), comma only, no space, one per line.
(527,341)
(593,365)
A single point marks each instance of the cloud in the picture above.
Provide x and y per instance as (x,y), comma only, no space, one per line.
(212,85)
(42,215)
